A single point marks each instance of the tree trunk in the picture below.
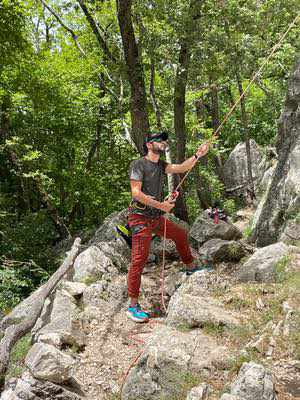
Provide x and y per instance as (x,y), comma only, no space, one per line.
(215,124)
(15,332)
(179,120)
(158,120)
(250,188)
(23,198)
(153,97)
(95,28)
(93,148)
(138,100)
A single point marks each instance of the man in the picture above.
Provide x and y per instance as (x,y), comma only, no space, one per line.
(145,213)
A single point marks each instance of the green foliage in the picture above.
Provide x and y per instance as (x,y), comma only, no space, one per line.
(229,207)
(17,359)
(247,232)
(18,279)
(213,329)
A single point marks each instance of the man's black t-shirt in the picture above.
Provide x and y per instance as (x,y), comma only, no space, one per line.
(152,175)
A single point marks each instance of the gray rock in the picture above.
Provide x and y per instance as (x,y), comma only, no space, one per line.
(283,196)
(200,392)
(173,281)
(198,284)
(254,382)
(217,250)
(29,388)
(106,232)
(48,363)
(235,168)
(170,249)
(75,289)
(91,265)
(61,327)
(169,356)
(291,233)
(205,229)
(118,252)
(195,311)
(227,396)
(96,296)
(266,180)
(261,265)
(106,294)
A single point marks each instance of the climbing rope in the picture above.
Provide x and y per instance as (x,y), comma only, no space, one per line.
(255,76)
(214,136)
(218,130)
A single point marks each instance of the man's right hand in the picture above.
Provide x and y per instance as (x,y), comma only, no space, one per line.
(167,206)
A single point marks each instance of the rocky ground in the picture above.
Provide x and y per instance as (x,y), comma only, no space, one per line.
(229,334)
(114,342)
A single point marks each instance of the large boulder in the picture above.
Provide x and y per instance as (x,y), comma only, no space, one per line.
(29,388)
(235,168)
(118,252)
(106,294)
(91,265)
(291,233)
(283,196)
(217,250)
(61,327)
(261,266)
(169,357)
(254,382)
(106,232)
(195,311)
(192,305)
(48,363)
(205,229)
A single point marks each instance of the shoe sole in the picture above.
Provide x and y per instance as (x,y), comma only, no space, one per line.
(139,320)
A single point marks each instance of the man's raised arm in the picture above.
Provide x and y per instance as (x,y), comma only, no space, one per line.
(189,163)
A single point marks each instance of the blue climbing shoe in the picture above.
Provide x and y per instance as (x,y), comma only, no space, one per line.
(137,314)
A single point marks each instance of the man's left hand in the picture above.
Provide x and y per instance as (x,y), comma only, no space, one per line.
(202,150)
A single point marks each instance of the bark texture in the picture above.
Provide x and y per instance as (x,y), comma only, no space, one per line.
(138,100)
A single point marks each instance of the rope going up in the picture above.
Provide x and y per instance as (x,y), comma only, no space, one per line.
(255,76)
(217,133)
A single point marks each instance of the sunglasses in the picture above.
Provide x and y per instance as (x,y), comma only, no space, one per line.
(159,140)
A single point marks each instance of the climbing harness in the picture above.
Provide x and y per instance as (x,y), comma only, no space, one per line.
(134,204)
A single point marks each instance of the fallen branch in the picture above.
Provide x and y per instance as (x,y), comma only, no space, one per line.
(16,331)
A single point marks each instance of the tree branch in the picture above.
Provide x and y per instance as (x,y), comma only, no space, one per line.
(16,331)
(96,30)
(72,33)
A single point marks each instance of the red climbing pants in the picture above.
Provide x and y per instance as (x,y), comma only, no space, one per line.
(142,228)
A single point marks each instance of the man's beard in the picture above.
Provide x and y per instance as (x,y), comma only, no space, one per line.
(159,150)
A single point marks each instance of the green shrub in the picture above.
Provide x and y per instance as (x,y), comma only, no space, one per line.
(17,359)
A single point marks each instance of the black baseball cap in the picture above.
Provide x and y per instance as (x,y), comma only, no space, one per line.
(152,136)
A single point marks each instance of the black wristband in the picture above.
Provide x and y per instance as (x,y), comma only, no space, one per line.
(195,155)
